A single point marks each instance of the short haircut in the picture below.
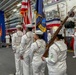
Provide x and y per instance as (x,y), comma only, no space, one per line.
(30,29)
(19,28)
(59,36)
(40,36)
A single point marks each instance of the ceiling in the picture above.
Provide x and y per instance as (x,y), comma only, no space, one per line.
(9,5)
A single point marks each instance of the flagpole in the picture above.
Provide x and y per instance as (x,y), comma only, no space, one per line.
(35,19)
(58,11)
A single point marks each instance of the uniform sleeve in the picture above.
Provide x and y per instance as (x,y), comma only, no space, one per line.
(75,34)
(22,45)
(52,58)
(49,37)
(33,48)
(13,42)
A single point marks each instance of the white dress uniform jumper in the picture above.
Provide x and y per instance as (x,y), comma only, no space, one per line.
(16,40)
(56,61)
(26,42)
(36,52)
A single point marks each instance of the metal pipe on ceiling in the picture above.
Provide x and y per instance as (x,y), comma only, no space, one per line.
(6,4)
(8,13)
(10,9)
(11,5)
(2,2)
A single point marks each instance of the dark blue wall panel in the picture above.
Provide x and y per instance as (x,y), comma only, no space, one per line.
(2,23)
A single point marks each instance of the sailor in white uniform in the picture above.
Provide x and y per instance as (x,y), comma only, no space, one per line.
(56,61)
(16,40)
(7,40)
(49,35)
(36,51)
(26,42)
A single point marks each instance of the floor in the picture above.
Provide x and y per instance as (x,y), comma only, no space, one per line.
(7,62)
(71,63)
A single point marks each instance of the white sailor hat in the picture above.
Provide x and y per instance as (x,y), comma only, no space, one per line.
(70,19)
(33,33)
(60,32)
(39,32)
(47,30)
(75,27)
(18,26)
(29,26)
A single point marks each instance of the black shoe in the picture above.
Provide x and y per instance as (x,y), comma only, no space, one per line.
(14,74)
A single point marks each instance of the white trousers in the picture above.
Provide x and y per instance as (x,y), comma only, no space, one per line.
(18,65)
(26,65)
(38,68)
(75,48)
(58,73)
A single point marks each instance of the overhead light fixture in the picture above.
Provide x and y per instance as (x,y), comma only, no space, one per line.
(14,10)
(18,5)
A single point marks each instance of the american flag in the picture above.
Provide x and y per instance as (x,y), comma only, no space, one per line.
(26,13)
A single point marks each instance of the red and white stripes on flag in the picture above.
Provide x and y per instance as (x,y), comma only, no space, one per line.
(26,12)
(53,22)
